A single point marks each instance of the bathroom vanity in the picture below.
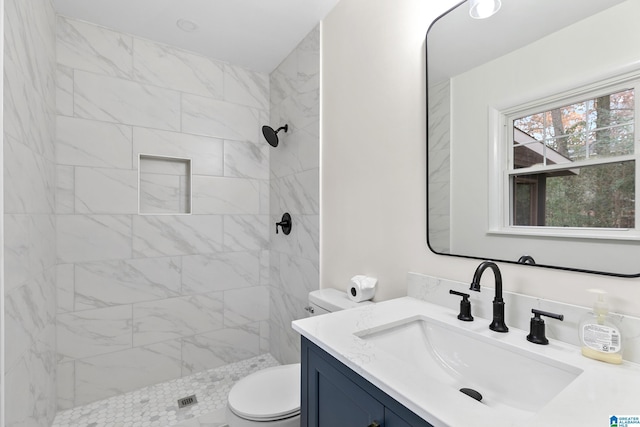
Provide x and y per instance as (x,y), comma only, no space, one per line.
(334,395)
(402,363)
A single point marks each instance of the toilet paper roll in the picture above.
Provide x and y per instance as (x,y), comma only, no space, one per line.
(362,288)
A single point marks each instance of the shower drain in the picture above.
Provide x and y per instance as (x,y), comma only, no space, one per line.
(187,401)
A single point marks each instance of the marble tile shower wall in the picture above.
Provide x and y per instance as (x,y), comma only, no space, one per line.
(295,93)
(29,218)
(148,298)
(439,167)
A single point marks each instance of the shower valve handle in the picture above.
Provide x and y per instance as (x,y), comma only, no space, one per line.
(285,224)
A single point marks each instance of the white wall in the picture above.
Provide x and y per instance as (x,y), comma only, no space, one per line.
(2,333)
(373,149)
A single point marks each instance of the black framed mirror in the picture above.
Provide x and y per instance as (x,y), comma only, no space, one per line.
(516,133)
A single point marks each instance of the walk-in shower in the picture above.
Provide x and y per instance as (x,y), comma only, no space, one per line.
(105,300)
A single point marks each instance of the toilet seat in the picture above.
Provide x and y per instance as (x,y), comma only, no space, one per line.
(267,395)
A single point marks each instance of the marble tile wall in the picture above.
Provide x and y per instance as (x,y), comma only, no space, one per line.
(29,218)
(439,168)
(148,298)
(294,272)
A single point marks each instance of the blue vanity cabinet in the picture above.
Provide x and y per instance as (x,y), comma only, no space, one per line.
(333,395)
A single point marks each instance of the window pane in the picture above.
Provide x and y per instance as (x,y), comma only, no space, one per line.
(566,149)
(572,118)
(597,127)
(613,141)
(532,125)
(601,196)
(614,109)
(527,155)
(525,201)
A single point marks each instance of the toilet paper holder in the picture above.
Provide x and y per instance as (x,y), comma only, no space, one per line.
(362,288)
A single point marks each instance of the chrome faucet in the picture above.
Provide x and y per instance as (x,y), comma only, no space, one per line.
(497,324)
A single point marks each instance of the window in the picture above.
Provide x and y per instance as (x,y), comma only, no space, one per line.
(572,163)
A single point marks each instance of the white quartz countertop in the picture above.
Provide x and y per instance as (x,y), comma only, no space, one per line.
(600,391)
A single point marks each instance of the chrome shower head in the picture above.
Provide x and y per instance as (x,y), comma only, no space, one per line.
(272,135)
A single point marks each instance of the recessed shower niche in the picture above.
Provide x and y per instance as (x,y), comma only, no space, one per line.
(164,185)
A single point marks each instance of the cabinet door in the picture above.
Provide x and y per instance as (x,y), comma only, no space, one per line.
(391,419)
(335,401)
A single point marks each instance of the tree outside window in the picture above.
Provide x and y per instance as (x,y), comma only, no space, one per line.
(574,165)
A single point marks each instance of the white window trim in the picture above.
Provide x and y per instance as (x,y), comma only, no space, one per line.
(500,154)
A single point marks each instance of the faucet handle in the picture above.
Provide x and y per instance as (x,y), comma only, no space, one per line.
(465,306)
(285,223)
(526,259)
(537,327)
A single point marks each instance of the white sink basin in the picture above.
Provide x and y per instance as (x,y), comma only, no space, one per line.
(510,379)
(421,355)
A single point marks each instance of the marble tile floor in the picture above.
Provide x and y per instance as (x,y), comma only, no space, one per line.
(157,405)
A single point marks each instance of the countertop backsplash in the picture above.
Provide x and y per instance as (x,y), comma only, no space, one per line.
(518,311)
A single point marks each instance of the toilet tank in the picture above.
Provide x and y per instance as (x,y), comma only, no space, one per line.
(328,300)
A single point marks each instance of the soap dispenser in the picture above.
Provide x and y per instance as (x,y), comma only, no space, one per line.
(599,333)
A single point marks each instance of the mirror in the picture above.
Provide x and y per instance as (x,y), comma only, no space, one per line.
(532,56)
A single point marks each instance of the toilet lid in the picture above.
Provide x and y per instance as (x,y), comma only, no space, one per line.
(269,394)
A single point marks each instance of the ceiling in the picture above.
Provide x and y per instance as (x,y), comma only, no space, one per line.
(457,43)
(256,34)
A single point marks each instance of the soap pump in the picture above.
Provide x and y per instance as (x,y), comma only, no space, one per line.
(599,333)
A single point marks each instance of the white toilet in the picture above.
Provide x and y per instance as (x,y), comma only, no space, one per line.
(271,397)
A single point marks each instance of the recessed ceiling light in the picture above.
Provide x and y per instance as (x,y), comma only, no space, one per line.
(186,25)
(481,9)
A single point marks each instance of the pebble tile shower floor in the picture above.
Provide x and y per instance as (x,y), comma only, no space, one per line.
(157,405)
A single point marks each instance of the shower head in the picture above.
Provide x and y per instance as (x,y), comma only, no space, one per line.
(272,135)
